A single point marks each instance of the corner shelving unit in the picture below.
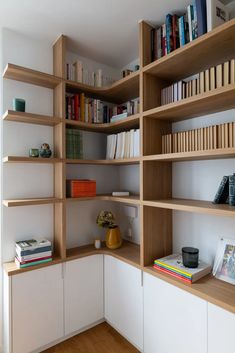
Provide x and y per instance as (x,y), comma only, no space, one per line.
(155,200)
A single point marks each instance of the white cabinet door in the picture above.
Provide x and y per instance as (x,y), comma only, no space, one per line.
(174,320)
(83,289)
(221,330)
(37,308)
(124,299)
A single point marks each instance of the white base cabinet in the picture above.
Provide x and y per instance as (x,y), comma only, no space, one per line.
(37,308)
(124,299)
(83,292)
(174,320)
(221,330)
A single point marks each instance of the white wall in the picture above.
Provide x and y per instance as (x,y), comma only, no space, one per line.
(199,180)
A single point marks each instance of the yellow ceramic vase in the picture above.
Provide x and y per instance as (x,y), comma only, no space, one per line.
(113,238)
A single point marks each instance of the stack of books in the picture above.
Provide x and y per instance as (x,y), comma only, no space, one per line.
(226,191)
(32,252)
(208,80)
(90,110)
(123,145)
(77,72)
(202,139)
(173,266)
(74,144)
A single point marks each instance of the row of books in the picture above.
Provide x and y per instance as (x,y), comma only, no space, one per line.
(74,144)
(208,80)
(226,191)
(173,266)
(207,138)
(123,145)
(90,110)
(77,72)
(32,252)
(179,30)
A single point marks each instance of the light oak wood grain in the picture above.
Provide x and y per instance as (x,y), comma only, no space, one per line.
(30,118)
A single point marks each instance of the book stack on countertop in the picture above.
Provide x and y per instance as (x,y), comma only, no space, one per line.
(173,265)
(32,252)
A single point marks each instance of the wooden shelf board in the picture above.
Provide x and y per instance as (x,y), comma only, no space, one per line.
(208,288)
(34,77)
(30,202)
(119,92)
(29,118)
(217,100)
(125,124)
(220,153)
(128,252)
(135,200)
(11,269)
(126,161)
(208,50)
(196,206)
(17,159)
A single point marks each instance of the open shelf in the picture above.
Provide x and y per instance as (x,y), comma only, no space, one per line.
(29,118)
(30,202)
(119,92)
(135,200)
(208,288)
(11,268)
(16,159)
(34,77)
(129,252)
(126,124)
(196,206)
(208,50)
(220,99)
(125,161)
(221,153)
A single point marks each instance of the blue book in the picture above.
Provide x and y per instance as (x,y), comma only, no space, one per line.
(201,16)
(181,31)
(35,251)
(232,190)
(194,22)
(169,34)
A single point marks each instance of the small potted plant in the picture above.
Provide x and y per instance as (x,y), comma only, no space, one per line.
(105,219)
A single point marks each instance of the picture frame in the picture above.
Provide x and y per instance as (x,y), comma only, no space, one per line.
(224,264)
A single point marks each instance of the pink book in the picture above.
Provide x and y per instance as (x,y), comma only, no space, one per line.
(172,274)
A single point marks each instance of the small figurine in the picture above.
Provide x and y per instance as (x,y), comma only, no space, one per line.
(45,151)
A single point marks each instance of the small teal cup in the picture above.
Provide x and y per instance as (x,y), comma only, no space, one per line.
(19,105)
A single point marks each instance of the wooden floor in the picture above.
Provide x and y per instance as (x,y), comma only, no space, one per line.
(99,339)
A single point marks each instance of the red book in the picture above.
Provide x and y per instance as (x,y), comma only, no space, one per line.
(76,107)
(182,278)
(30,261)
(175,30)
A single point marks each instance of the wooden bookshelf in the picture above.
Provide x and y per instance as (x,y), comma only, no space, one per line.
(119,92)
(129,252)
(205,207)
(34,77)
(220,153)
(134,200)
(30,118)
(30,202)
(124,161)
(131,122)
(208,50)
(17,159)
(210,102)
(155,200)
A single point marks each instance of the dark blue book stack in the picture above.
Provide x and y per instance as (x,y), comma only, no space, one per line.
(201,17)
(232,190)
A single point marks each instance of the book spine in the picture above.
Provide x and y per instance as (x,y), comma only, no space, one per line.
(201,16)
(159,42)
(232,190)
(175,32)
(190,19)
(173,274)
(169,34)
(222,192)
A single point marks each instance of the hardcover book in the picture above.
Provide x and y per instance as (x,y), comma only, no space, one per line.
(223,191)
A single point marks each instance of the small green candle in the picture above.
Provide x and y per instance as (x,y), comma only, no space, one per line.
(34,152)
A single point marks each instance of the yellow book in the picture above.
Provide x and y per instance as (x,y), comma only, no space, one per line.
(226,73)
(212,78)
(232,71)
(219,76)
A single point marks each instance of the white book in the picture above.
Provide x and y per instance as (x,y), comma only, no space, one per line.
(118,146)
(114,147)
(132,133)
(123,137)
(108,147)
(175,88)
(128,144)
(34,256)
(217,14)
(137,143)
(120,193)
(78,70)
(190,23)
(180,90)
